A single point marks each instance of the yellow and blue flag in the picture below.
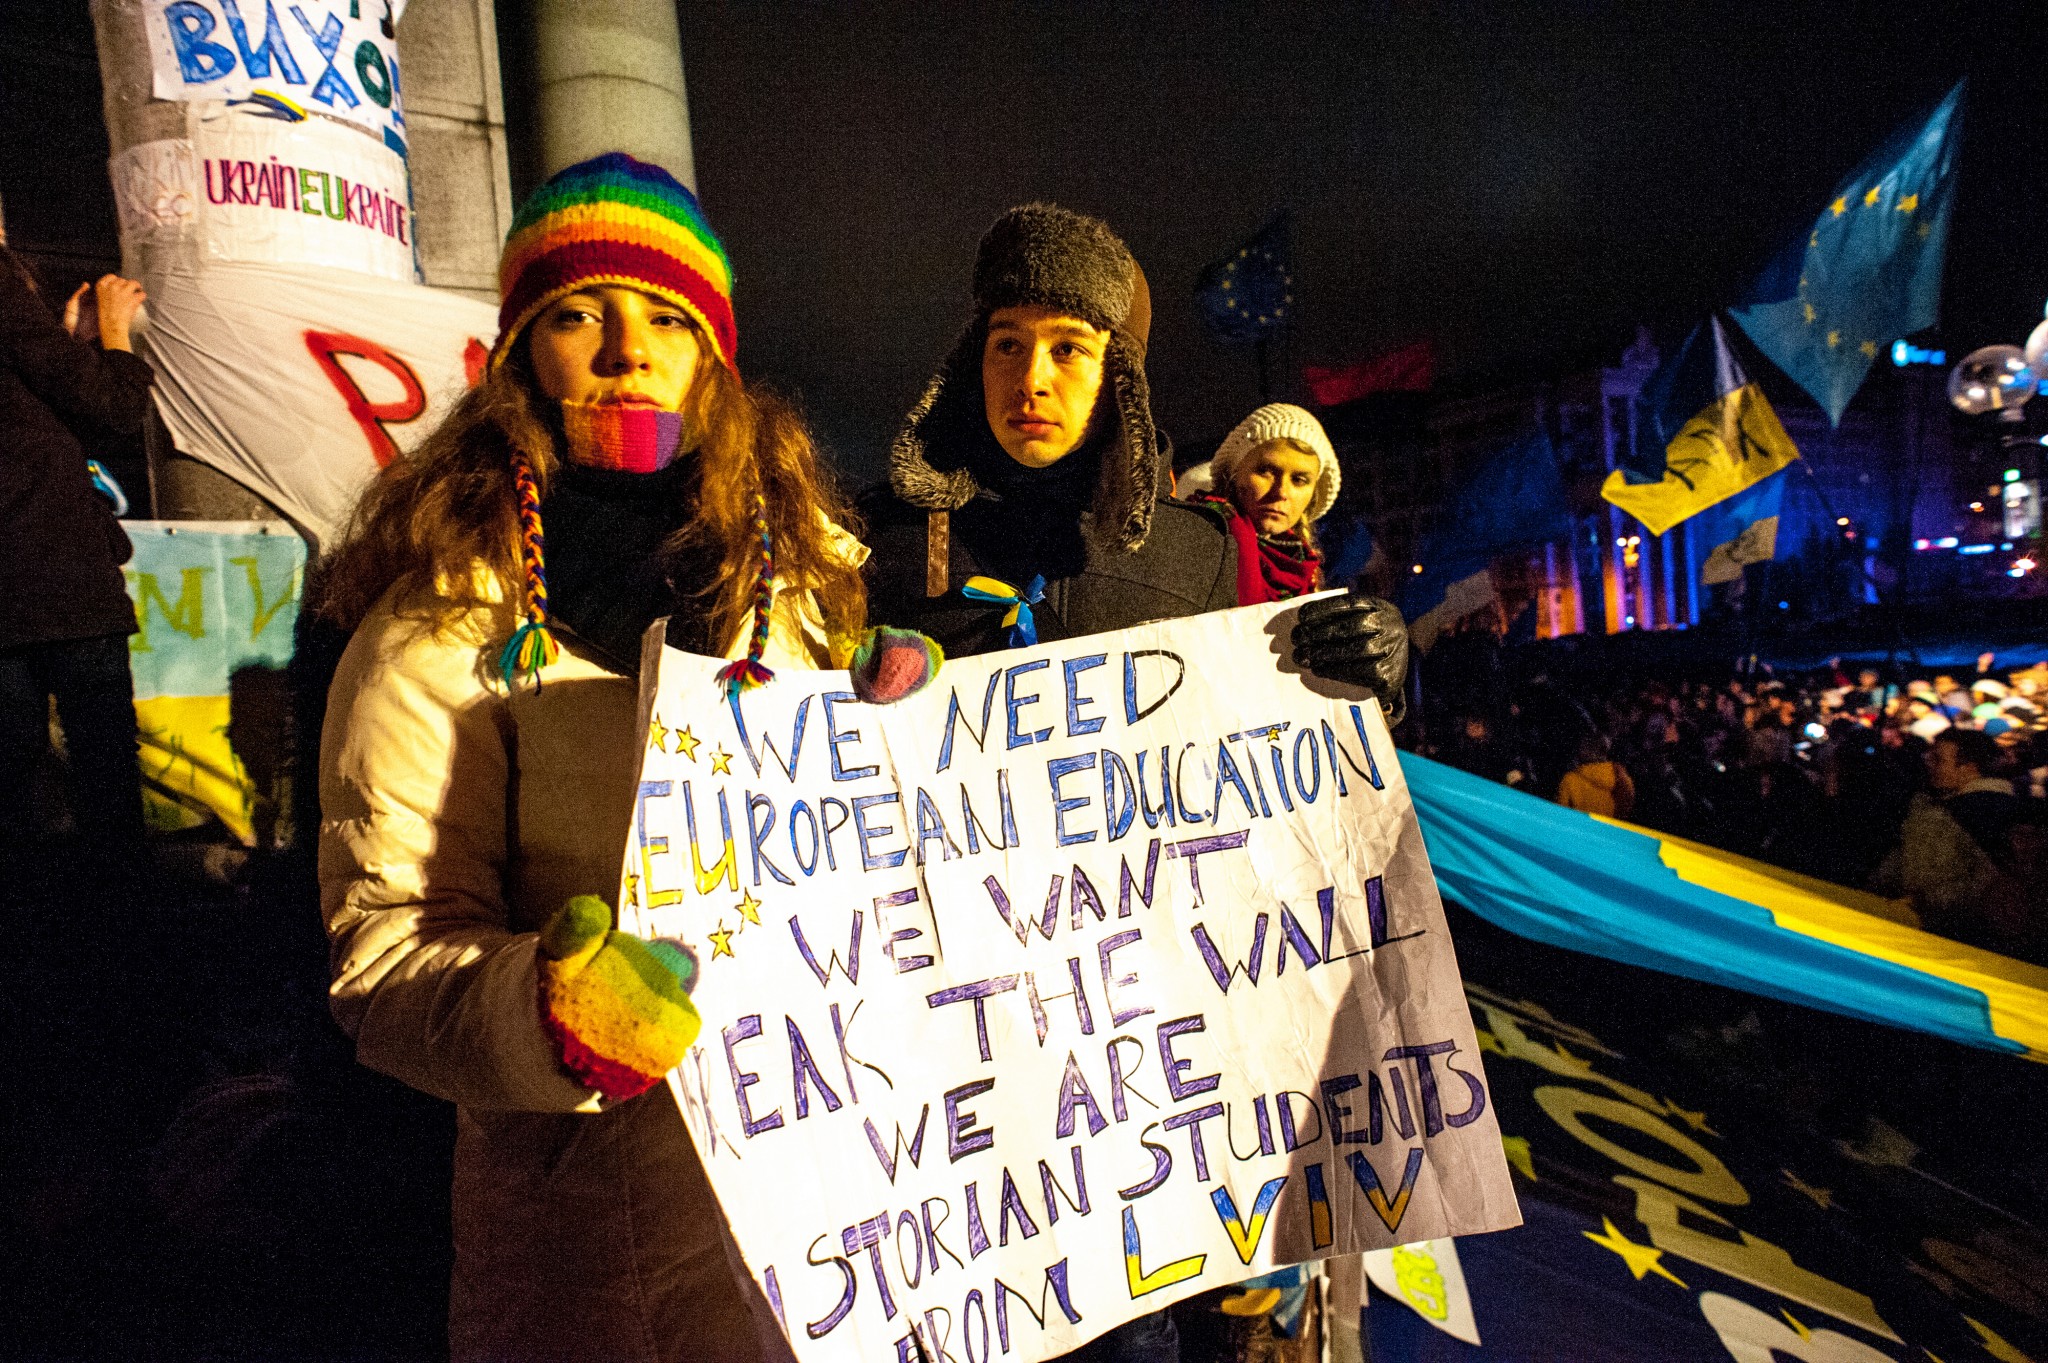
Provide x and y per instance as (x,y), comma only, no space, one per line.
(1741,531)
(1869,270)
(1631,894)
(1712,434)
(1515,501)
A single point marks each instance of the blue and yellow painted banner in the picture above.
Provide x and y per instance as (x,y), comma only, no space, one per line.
(216,605)
(1649,899)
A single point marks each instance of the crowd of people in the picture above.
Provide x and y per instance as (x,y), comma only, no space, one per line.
(1920,784)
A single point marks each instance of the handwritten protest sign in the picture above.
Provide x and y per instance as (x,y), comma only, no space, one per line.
(333,57)
(1098,974)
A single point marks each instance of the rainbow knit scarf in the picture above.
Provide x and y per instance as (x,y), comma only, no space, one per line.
(621,438)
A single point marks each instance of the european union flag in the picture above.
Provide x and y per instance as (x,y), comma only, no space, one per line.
(1248,295)
(1869,271)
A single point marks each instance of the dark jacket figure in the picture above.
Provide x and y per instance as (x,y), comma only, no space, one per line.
(65,632)
(1094,526)
(1029,506)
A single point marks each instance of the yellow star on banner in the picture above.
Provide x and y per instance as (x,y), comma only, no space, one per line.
(721,761)
(632,888)
(1839,207)
(1696,1120)
(1909,203)
(721,945)
(1273,734)
(750,908)
(1517,1148)
(657,736)
(1822,1198)
(1640,1259)
(1870,199)
(1810,313)
(686,743)
(1834,339)
(1869,348)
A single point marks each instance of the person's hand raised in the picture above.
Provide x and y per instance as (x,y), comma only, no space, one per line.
(119,300)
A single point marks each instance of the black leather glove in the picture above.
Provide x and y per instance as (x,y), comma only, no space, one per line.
(1358,639)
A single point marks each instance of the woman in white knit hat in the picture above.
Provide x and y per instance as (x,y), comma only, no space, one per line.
(1272,478)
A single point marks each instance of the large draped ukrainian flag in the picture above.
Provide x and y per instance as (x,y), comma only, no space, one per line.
(1649,899)
(1713,434)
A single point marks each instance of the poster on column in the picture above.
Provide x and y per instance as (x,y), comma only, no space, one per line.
(302,382)
(332,57)
(1096,975)
(253,189)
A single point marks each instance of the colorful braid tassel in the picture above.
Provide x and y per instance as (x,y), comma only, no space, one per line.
(749,672)
(532,646)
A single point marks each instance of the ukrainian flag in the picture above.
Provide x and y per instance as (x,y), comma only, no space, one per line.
(1648,899)
(1869,270)
(1715,429)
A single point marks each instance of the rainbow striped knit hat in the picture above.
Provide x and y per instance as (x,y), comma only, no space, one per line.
(615,220)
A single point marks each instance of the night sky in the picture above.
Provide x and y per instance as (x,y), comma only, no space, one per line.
(1524,184)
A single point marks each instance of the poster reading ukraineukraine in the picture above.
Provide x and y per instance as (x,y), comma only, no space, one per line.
(1095,975)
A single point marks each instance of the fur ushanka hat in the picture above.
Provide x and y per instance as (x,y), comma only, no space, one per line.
(1047,256)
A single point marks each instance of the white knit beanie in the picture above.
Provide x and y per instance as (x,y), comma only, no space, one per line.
(1281,421)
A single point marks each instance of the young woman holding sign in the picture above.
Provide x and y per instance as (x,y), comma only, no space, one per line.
(480,750)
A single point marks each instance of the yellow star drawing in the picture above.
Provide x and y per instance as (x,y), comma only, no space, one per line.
(1517,1148)
(1869,348)
(1834,339)
(657,736)
(1822,1198)
(1696,1120)
(1640,1259)
(1273,734)
(750,908)
(1810,313)
(721,945)
(686,743)
(632,888)
(721,762)
(1839,207)
(1909,203)
(1870,199)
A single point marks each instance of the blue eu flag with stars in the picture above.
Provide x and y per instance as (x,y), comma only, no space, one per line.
(1869,270)
(1248,296)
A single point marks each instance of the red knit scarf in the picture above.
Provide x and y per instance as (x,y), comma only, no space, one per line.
(1276,569)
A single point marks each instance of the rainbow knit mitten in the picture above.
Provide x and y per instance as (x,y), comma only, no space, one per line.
(618,1008)
(890,664)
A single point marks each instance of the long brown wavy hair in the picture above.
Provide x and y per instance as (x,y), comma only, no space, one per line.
(433,517)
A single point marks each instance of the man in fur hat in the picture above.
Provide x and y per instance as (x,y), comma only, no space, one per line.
(1028,491)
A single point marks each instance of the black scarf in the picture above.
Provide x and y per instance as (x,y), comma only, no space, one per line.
(608,578)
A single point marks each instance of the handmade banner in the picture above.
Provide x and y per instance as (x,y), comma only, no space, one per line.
(216,603)
(242,188)
(333,57)
(1096,975)
(301,383)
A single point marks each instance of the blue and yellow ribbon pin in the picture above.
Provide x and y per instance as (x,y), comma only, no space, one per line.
(1023,629)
